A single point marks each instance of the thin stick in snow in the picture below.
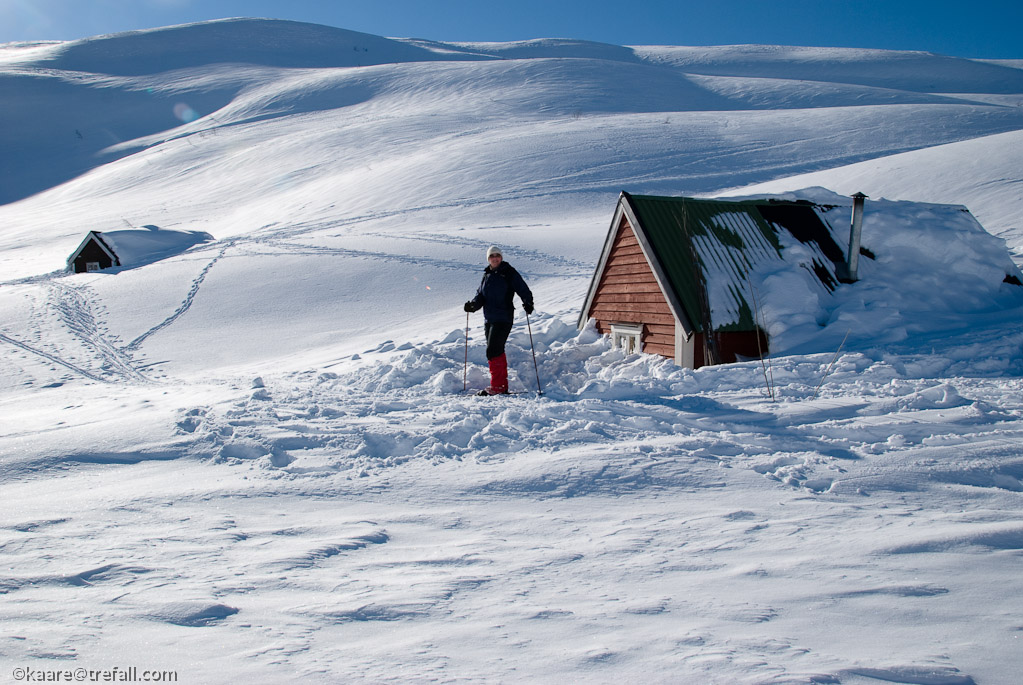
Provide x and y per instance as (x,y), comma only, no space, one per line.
(539,390)
(833,360)
(465,366)
(758,314)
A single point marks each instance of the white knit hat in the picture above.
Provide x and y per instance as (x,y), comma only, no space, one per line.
(492,250)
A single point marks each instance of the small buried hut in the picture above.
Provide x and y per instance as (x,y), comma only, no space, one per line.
(131,248)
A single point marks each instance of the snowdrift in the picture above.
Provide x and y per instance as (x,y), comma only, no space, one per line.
(927,269)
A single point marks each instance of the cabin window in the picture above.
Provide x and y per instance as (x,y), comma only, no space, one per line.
(627,337)
(92,266)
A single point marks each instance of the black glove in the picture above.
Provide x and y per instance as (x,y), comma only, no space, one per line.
(470,306)
(528,306)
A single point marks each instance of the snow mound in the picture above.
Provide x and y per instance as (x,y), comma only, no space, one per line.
(192,614)
(924,268)
(139,247)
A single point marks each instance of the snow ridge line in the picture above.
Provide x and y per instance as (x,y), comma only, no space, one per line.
(303,249)
(520,252)
(294,248)
(53,358)
(185,305)
(299,228)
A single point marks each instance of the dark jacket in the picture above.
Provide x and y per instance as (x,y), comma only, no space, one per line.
(497,290)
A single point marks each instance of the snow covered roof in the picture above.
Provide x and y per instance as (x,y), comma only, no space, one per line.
(142,246)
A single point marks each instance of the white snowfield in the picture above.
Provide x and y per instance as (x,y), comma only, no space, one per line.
(253,460)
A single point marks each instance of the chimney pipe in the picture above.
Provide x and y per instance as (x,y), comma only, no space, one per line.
(855,230)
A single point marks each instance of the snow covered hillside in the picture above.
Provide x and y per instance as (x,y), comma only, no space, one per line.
(253,458)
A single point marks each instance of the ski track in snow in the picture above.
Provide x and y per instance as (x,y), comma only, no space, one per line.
(68,326)
(50,357)
(185,305)
(73,307)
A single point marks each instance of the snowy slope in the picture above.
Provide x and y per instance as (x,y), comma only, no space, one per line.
(253,459)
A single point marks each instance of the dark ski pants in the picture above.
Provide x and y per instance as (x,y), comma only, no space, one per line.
(497,333)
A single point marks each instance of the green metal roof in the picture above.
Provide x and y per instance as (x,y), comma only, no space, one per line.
(707,249)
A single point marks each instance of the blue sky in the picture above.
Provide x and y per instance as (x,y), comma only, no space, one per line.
(980,28)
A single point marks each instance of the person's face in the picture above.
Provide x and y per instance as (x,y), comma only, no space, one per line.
(495,260)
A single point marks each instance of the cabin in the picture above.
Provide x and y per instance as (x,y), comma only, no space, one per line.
(94,254)
(131,248)
(674,275)
(685,277)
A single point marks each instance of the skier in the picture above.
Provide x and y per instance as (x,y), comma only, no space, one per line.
(499,285)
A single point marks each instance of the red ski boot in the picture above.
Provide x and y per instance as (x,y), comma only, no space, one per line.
(498,377)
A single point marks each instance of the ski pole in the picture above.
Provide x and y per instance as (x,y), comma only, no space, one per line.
(539,391)
(465,365)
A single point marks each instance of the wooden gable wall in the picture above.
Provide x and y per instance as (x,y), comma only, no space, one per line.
(92,251)
(628,293)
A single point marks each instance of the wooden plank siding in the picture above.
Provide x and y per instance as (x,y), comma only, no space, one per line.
(628,293)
